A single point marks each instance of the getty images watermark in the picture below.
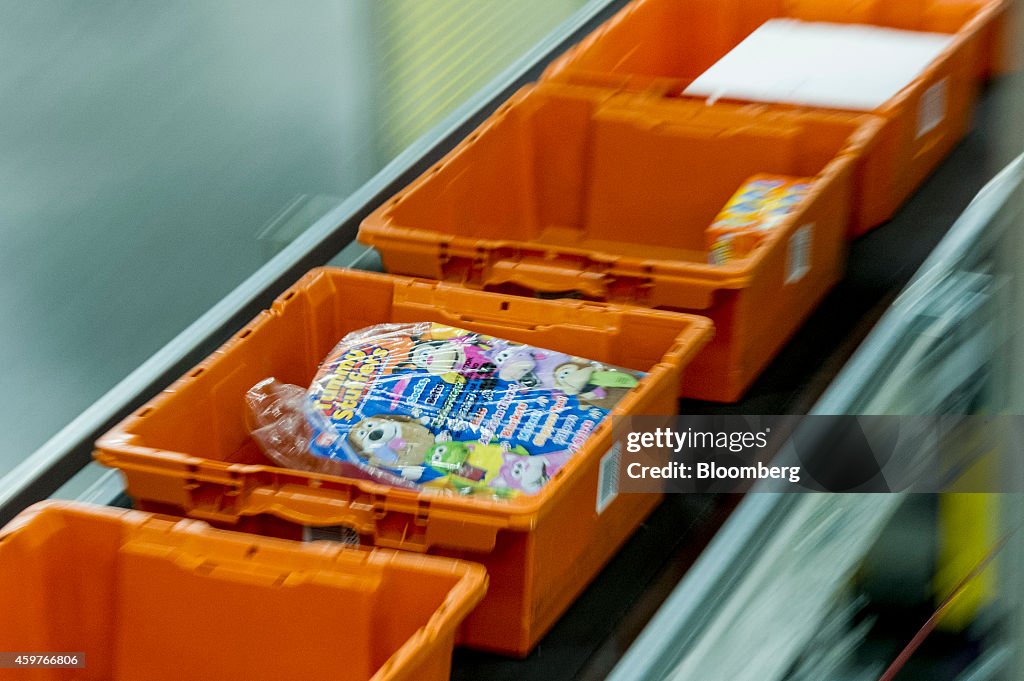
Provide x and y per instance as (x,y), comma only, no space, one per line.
(819,454)
(689,441)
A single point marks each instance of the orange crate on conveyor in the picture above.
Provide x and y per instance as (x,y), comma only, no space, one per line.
(571,189)
(665,47)
(153,598)
(189,451)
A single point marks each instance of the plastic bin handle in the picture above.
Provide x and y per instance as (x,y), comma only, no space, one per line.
(547,277)
(397,529)
(309,506)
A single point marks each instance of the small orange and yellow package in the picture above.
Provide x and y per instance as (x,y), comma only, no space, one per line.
(760,205)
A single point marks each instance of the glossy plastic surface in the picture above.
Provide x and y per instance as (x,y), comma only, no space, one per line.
(189,452)
(660,46)
(151,598)
(609,195)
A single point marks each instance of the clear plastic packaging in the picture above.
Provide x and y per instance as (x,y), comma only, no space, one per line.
(278,423)
(429,406)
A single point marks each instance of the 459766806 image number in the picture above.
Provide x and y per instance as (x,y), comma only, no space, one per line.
(41,660)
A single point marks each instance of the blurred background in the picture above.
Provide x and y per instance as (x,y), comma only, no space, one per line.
(155,154)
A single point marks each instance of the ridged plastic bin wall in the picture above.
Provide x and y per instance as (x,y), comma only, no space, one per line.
(151,598)
(188,452)
(661,46)
(577,190)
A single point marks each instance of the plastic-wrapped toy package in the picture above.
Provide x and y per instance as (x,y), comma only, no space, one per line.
(760,205)
(435,407)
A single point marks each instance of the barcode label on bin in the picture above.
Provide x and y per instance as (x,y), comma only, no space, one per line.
(338,533)
(932,110)
(608,477)
(798,262)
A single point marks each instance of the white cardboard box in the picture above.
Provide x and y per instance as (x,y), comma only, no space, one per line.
(836,66)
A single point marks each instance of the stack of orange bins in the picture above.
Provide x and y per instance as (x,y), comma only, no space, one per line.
(189,451)
(129,596)
(659,46)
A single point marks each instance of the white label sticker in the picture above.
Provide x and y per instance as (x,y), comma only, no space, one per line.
(932,110)
(798,262)
(608,477)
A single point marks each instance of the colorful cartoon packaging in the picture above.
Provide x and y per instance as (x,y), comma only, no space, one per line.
(761,205)
(427,405)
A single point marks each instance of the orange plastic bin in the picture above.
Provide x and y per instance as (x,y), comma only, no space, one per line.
(997,51)
(152,598)
(577,189)
(661,46)
(189,450)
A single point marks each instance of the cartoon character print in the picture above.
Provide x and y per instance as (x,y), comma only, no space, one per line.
(471,462)
(592,384)
(530,473)
(391,440)
(530,367)
(454,359)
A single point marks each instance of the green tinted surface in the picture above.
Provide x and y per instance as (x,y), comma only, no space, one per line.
(157,153)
